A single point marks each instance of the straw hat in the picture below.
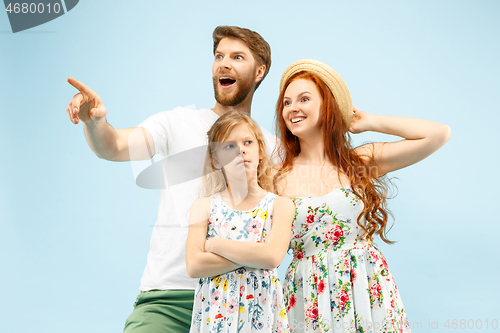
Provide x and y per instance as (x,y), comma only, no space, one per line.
(332,80)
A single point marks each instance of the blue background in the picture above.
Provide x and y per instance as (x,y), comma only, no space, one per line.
(75,230)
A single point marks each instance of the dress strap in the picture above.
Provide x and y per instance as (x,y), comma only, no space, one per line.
(267,204)
(215,201)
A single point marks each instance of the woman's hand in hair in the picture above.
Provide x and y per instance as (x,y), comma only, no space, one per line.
(360,121)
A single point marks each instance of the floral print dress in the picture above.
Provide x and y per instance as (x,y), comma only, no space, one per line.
(247,299)
(337,281)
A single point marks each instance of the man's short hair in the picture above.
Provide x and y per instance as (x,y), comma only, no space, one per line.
(261,50)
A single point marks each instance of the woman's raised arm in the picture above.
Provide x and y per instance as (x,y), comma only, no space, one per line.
(422,138)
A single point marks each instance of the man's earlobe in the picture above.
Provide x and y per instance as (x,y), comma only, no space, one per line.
(260,73)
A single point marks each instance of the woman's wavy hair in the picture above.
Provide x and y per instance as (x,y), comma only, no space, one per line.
(214,180)
(370,187)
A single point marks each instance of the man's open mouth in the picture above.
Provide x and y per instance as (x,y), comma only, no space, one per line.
(226,81)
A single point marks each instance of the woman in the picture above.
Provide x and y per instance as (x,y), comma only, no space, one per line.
(338,280)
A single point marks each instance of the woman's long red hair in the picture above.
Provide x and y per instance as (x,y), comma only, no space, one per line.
(370,187)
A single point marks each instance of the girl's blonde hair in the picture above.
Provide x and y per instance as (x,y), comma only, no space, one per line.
(214,179)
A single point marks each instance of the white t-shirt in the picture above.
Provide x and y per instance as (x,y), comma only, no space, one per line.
(176,131)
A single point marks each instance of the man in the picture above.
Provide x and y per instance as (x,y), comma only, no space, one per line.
(242,60)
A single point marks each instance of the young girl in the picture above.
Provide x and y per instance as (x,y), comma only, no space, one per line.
(238,235)
(338,280)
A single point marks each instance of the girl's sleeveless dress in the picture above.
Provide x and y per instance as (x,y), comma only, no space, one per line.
(247,299)
(338,282)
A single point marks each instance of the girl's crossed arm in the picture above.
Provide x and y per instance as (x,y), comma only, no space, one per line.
(267,255)
(199,262)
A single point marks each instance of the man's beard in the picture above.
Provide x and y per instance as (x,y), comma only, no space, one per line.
(244,87)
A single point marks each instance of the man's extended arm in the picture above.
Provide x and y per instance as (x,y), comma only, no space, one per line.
(106,142)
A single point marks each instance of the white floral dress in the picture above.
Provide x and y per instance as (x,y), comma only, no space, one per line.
(248,299)
(338,282)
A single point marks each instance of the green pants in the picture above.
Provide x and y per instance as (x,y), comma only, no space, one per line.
(161,311)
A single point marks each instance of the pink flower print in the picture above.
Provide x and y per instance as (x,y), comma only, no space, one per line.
(254,227)
(299,254)
(242,290)
(392,303)
(310,219)
(291,302)
(263,301)
(343,298)
(385,263)
(354,275)
(216,298)
(312,310)
(321,286)
(275,300)
(232,306)
(334,234)
(374,255)
(375,290)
